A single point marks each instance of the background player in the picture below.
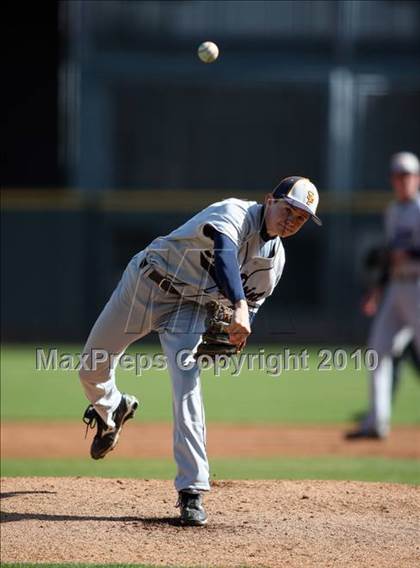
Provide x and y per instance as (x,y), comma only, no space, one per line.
(375,266)
(232,252)
(397,321)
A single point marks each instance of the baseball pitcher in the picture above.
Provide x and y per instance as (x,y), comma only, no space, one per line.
(199,287)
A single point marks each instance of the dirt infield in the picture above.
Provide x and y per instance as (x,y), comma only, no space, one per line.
(252,523)
(48,440)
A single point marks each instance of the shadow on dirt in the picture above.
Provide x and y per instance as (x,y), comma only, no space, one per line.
(9,494)
(150,521)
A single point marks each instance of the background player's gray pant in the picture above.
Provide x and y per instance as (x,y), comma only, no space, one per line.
(137,307)
(400,309)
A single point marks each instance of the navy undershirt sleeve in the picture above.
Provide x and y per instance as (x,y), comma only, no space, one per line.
(228,276)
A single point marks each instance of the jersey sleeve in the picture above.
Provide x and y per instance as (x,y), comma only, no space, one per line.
(230,218)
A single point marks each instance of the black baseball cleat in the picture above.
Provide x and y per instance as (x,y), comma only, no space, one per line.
(106,438)
(193,513)
(363,434)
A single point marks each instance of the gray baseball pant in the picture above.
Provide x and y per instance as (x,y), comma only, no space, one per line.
(137,307)
(400,309)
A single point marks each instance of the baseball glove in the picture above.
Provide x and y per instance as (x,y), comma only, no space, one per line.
(216,337)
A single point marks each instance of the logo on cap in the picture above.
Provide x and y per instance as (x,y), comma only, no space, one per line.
(310,198)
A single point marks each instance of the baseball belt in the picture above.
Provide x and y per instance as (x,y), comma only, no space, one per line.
(162,282)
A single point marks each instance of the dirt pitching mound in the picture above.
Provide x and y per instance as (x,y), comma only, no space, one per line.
(251,523)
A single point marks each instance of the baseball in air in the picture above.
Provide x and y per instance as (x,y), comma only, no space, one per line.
(208,52)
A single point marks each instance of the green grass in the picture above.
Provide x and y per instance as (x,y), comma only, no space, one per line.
(255,396)
(360,469)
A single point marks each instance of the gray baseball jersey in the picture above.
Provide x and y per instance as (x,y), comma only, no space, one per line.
(186,254)
(402,225)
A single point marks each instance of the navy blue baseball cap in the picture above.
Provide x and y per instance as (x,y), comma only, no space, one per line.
(299,192)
